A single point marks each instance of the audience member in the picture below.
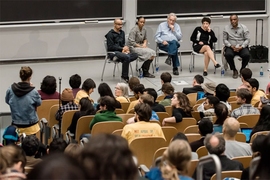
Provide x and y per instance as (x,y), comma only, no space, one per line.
(223,93)
(181,108)
(73,150)
(206,109)
(75,83)
(182,136)
(87,88)
(168,91)
(11,136)
(48,88)
(205,127)
(23,99)
(263,123)
(121,92)
(156,106)
(168,36)
(234,148)
(253,86)
(209,88)
(58,145)
(244,97)
(236,39)
(68,104)
(108,156)
(175,162)
(105,90)
(133,82)
(30,146)
(222,113)
(142,127)
(262,170)
(165,77)
(197,81)
(245,74)
(137,43)
(58,166)
(215,144)
(203,38)
(116,43)
(12,162)
(107,107)
(85,108)
(138,91)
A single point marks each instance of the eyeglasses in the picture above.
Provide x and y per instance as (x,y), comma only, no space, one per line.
(117,88)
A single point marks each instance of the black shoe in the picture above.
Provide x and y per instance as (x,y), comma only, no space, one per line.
(126,79)
(147,74)
(205,73)
(175,71)
(217,65)
(235,74)
(169,60)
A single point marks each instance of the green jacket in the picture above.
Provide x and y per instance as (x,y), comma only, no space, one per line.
(104,116)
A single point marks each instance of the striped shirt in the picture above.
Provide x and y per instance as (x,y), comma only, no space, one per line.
(243,110)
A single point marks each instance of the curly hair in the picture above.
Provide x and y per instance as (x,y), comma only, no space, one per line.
(184,102)
(48,85)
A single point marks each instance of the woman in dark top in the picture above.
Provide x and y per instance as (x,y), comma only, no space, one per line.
(203,38)
(86,108)
(263,123)
(181,108)
(105,90)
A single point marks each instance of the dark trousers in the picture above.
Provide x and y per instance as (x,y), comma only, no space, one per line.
(125,59)
(172,49)
(229,55)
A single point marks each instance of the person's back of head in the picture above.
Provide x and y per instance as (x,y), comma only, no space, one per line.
(246,73)
(25,73)
(215,144)
(166,77)
(230,128)
(147,99)
(222,92)
(152,92)
(264,119)
(167,88)
(143,112)
(48,85)
(180,136)
(58,145)
(221,112)
(212,100)
(73,150)
(86,106)
(108,156)
(75,81)
(138,89)
(254,83)
(133,81)
(104,90)
(30,145)
(58,166)
(257,145)
(107,101)
(205,126)
(88,84)
(244,94)
(199,79)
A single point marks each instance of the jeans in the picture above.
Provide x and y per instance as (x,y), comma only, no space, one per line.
(172,49)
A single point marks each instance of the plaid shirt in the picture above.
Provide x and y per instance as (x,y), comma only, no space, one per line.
(66,107)
(243,110)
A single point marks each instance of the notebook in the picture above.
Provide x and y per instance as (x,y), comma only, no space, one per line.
(246,132)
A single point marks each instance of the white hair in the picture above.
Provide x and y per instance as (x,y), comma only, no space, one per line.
(124,88)
(172,14)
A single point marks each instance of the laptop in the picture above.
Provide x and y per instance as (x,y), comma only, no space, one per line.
(246,132)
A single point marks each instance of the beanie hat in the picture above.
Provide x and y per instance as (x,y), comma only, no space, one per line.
(11,134)
(67,95)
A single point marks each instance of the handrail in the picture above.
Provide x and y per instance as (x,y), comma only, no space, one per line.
(207,159)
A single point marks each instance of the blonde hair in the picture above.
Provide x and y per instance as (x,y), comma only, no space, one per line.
(176,160)
(73,150)
(124,88)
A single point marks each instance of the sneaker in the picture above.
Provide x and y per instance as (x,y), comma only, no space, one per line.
(175,71)
(235,74)
(168,61)
(205,73)
(126,79)
(148,75)
(217,65)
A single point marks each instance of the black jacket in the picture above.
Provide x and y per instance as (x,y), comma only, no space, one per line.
(193,89)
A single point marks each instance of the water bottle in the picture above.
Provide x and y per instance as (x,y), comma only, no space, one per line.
(140,73)
(157,68)
(261,71)
(222,71)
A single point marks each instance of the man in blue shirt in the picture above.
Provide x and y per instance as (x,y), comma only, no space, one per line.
(167,36)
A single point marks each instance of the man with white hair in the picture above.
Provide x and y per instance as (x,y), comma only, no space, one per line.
(167,36)
(234,148)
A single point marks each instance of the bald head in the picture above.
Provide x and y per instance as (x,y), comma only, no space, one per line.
(214,141)
(118,24)
(215,144)
(231,127)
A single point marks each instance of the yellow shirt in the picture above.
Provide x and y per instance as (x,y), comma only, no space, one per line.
(122,99)
(81,94)
(257,97)
(141,129)
(30,130)
(132,105)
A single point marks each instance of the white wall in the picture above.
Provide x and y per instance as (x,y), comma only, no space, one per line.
(86,39)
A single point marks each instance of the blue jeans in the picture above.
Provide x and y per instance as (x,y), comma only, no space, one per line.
(172,49)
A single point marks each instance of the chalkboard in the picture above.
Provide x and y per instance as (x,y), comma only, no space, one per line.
(199,7)
(14,11)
